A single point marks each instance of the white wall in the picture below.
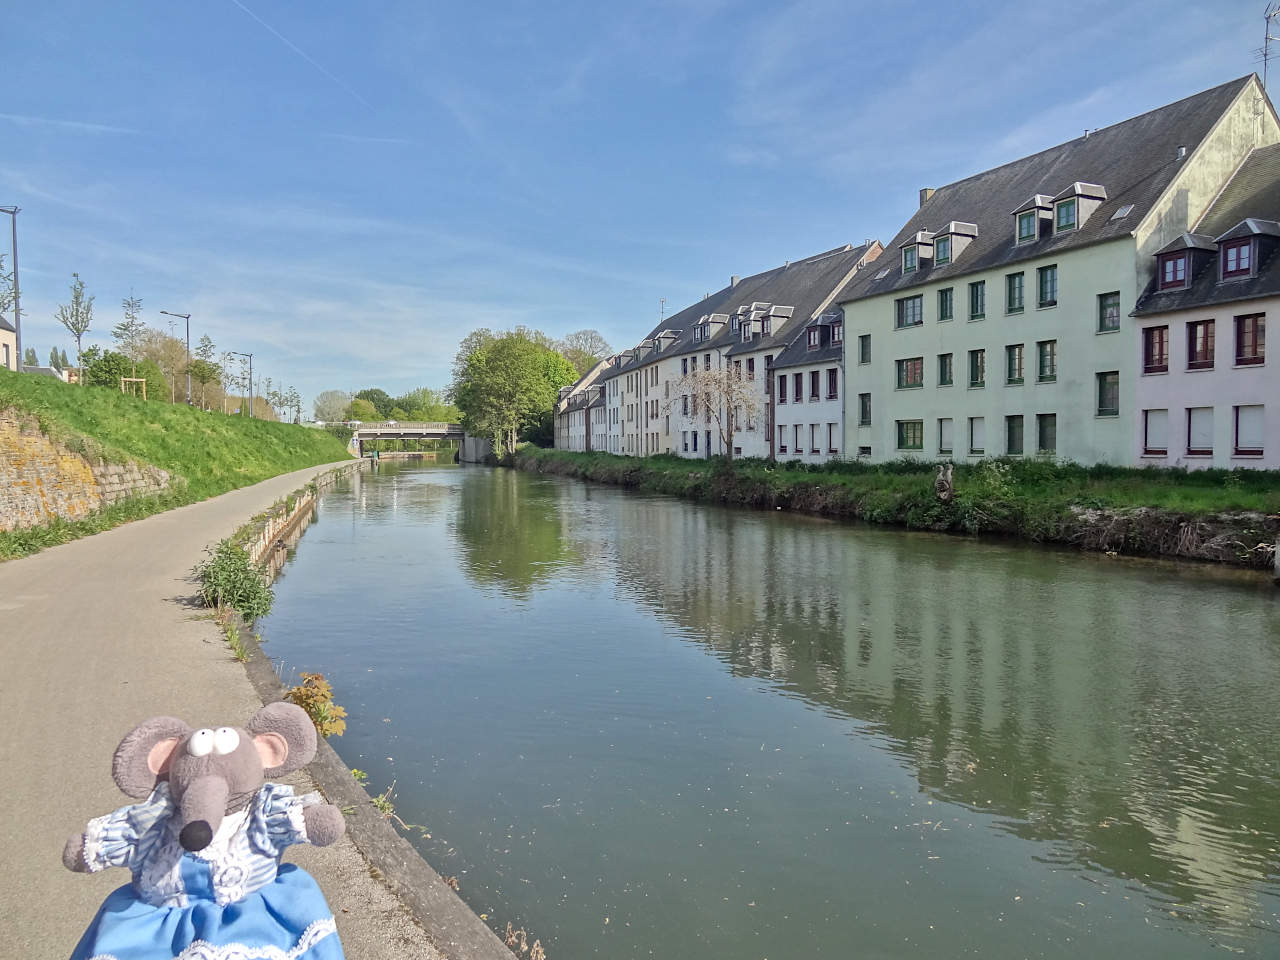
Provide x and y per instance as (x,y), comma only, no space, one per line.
(808,413)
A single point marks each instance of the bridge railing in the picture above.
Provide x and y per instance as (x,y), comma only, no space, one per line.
(410,425)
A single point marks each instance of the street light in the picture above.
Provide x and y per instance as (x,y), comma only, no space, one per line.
(237,353)
(17,313)
(186,317)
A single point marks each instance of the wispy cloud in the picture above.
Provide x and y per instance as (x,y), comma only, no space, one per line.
(79,126)
(356,138)
(304,55)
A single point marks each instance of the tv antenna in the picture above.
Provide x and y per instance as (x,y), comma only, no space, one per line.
(1270,15)
(662,309)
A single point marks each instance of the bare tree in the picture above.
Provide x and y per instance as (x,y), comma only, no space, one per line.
(721,397)
(584,349)
(128,333)
(77,315)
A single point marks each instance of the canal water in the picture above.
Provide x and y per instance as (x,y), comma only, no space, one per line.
(641,727)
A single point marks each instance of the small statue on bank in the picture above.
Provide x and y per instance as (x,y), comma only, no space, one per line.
(943,487)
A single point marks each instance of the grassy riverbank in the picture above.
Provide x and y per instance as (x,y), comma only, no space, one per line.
(206,453)
(1224,516)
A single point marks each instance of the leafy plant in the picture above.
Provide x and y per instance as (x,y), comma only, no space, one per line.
(315,695)
(359,775)
(228,579)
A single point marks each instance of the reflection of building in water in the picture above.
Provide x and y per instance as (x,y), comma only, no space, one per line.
(1116,718)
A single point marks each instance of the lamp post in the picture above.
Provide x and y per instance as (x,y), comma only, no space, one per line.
(17,313)
(187,318)
(237,353)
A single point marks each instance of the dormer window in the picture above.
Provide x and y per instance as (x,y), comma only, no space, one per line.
(1064,218)
(942,250)
(766,326)
(733,323)
(909,259)
(815,337)
(1028,222)
(1173,271)
(1237,258)
(837,332)
(746,333)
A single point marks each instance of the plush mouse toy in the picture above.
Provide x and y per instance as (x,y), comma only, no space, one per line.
(204,845)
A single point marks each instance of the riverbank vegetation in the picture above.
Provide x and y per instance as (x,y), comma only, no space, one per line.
(205,453)
(1224,516)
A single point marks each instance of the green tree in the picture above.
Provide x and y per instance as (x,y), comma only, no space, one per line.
(63,364)
(54,360)
(361,409)
(107,368)
(29,358)
(584,349)
(507,384)
(76,316)
(380,399)
(331,405)
(128,333)
(472,342)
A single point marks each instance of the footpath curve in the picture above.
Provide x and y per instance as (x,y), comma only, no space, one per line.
(96,635)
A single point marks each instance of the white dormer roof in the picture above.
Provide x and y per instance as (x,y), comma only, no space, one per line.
(1037,201)
(1079,189)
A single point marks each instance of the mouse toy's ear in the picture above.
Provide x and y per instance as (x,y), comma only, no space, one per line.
(142,759)
(285,738)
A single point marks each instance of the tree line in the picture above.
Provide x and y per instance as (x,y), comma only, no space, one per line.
(374,403)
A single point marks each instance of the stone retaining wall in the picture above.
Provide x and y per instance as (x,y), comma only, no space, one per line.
(41,480)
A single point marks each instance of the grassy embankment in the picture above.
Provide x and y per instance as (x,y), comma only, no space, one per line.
(1224,516)
(206,453)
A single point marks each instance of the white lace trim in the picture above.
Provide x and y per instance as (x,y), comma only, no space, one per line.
(93,844)
(200,950)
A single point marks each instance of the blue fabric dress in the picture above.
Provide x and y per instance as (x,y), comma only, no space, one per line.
(231,901)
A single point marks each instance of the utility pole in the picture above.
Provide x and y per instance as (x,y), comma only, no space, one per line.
(17,311)
(250,384)
(1271,13)
(187,318)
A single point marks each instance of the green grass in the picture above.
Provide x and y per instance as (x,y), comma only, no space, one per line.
(207,453)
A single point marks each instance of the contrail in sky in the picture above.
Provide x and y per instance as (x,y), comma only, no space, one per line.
(303,54)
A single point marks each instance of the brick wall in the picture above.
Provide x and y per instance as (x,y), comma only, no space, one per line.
(40,480)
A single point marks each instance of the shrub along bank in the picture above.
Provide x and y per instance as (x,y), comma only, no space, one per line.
(206,453)
(1223,516)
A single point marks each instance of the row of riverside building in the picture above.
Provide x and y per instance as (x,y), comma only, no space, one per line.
(1103,301)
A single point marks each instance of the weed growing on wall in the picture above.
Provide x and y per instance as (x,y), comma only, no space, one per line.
(228,579)
(315,695)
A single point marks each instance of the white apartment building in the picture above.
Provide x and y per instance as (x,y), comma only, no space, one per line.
(998,323)
(1204,393)
(809,407)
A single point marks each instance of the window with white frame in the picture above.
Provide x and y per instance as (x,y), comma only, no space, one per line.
(1200,431)
(1155,433)
(1249,430)
(977,435)
(945,430)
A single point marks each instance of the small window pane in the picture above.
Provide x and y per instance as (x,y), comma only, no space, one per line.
(977,300)
(1013,293)
(977,435)
(945,304)
(1047,432)
(1249,430)
(1108,312)
(1013,435)
(1200,431)
(1048,285)
(945,426)
(1155,439)
(944,369)
(1109,394)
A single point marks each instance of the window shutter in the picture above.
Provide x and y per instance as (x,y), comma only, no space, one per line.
(944,434)
(977,433)
(1249,427)
(1157,430)
(1201,428)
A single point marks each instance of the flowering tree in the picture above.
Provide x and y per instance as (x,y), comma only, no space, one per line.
(722,396)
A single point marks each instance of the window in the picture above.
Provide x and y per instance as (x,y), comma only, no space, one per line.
(733,323)
(831,438)
(942,250)
(684,366)
(864,451)
(737,369)
(1155,433)
(1047,361)
(977,368)
(1027,226)
(766,326)
(1046,433)
(797,382)
(978,300)
(1251,333)
(1200,345)
(1047,285)
(909,312)
(864,409)
(684,440)
(837,332)
(1237,258)
(815,338)
(908,259)
(910,434)
(684,405)
(695,440)
(864,348)
(782,388)
(1249,431)
(1013,284)
(944,435)
(693,363)
(706,361)
(782,439)
(697,334)
(833,383)
(1013,435)
(1155,350)
(815,381)
(813,438)
(946,304)
(1108,312)
(977,435)
(910,373)
(1109,394)
(944,370)
(1200,431)
(693,405)
(746,333)
(797,447)
(751,368)
(1173,271)
(1065,216)
(1013,363)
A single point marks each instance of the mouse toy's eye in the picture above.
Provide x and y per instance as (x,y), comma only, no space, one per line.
(201,743)
(225,740)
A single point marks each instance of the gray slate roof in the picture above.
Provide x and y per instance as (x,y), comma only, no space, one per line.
(1252,194)
(798,353)
(6,325)
(802,284)
(1135,161)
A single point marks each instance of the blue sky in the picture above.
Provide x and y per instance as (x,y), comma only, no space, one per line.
(346,189)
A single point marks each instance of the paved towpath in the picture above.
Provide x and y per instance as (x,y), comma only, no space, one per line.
(96,635)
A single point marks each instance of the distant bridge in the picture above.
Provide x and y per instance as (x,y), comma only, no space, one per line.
(402,430)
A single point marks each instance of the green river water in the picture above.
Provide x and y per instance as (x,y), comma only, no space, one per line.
(641,727)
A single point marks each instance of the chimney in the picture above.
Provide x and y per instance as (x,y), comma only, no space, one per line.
(925,194)
(1182,152)
(733,280)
